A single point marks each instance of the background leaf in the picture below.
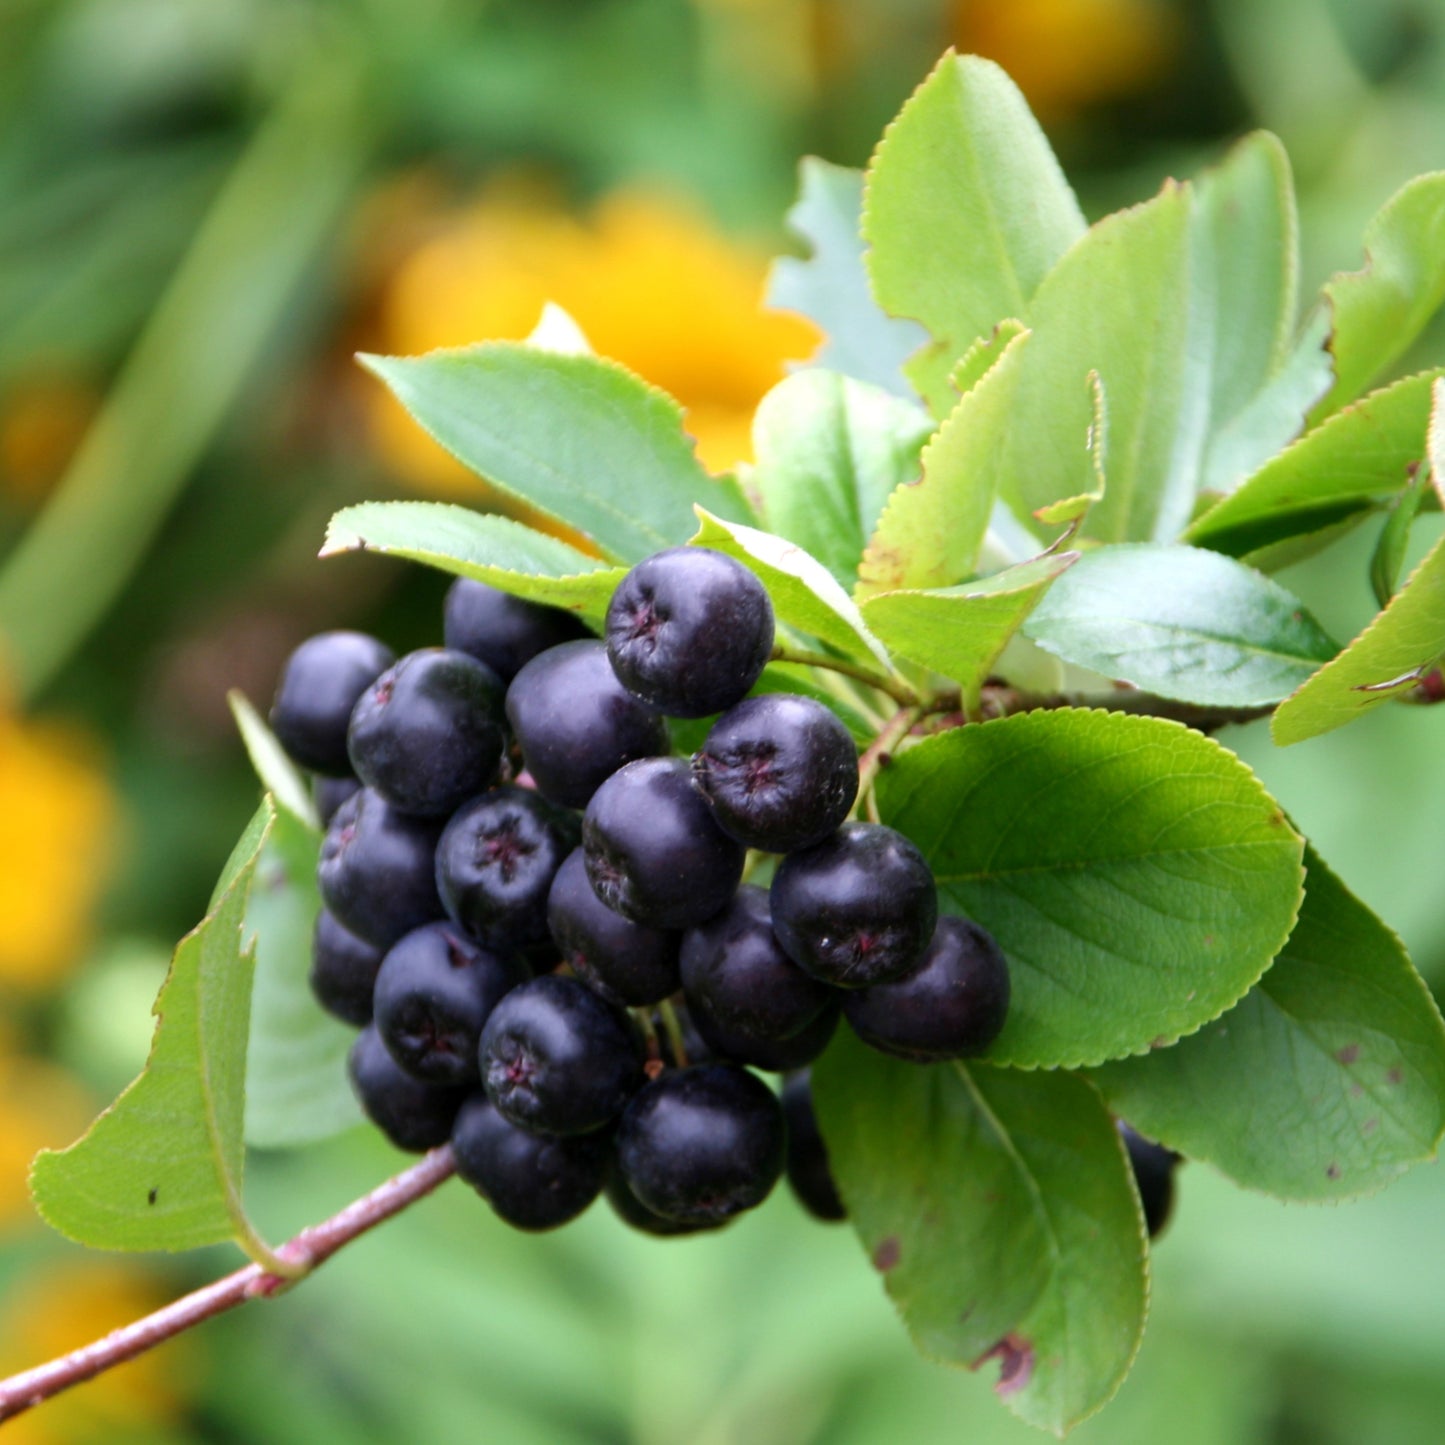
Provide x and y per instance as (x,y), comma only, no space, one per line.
(490,549)
(1182,623)
(1136,874)
(162,1167)
(579,438)
(998,1208)
(278,775)
(829,451)
(1327,1080)
(831,285)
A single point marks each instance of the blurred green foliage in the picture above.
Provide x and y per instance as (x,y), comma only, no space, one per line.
(198,212)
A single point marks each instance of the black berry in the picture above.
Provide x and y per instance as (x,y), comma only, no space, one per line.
(689,630)
(856,909)
(558,1059)
(343,970)
(700,1145)
(413,1115)
(809,1172)
(330,793)
(533,1182)
(780,771)
(378,869)
(430,731)
(775,1055)
(952,1006)
(652,849)
(1153,1167)
(627,963)
(503,631)
(631,1210)
(576,724)
(435,991)
(320,684)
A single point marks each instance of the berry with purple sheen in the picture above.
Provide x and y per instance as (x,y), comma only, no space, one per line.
(1153,1167)
(780,771)
(533,1181)
(434,993)
(413,1115)
(343,970)
(503,631)
(377,872)
(652,850)
(775,1055)
(320,684)
(700,1145)
(809,1172)
(952,1006)
(558,1059)
(495,864)
(430,731)
(856,909)
(576,724)
(330,793)
(627,963)
(632,1211)
(689,630)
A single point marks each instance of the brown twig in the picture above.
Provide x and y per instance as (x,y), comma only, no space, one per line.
(308,1251)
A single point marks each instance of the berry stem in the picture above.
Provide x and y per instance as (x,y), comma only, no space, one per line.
(668,1014)
(877,754)
(1003,701)
(307,1251)
(895,687)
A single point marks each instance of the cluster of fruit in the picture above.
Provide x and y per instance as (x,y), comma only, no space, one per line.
(515,967)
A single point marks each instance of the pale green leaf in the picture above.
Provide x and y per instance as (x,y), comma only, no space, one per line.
(1327,1080)
(1183,623)
(1388,559)
(278,774)
(580,438)
(1136,874)
(998,1207)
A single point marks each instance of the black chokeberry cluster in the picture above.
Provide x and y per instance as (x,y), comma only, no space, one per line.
(537,915)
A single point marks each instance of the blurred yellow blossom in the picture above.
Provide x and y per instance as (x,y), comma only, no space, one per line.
(649,282)
(1068,54)
(41,424)
(41,1107)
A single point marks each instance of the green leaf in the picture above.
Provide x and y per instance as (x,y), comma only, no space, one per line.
(1326,1081)
(278,774)
(579,438)
(966,210)
(1136,874)
(803,591)
(1339,471)
(831,286)
(296,1083)
(1182,623)
(1381,308)
(1388,559)
(931,530)
(486,548)
(960,631)
(829,451)
(1385,661)
(998,1207)
(162,1167)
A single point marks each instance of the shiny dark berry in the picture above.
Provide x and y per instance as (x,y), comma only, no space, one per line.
(1153,1167)
(320,684)
(435,991)
(495,865)
(627,963)
(952,1006)
(702,1144)
(413,1115)
(809,1172)
(330,793)
(775,1055)
(576,724)
(780,771)
(558,1059)
(689,630)
(343,970)
(503,631)
(533,1181)
(377,872)
(632,1211)
(652,849)
(856,909)
(430,732)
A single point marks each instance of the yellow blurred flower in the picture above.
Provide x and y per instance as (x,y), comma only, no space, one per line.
(1068,54)
(649,282)
(58,820)
(41,1107)
(41,424)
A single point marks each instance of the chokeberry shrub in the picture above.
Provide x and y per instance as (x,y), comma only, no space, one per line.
(894,755)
